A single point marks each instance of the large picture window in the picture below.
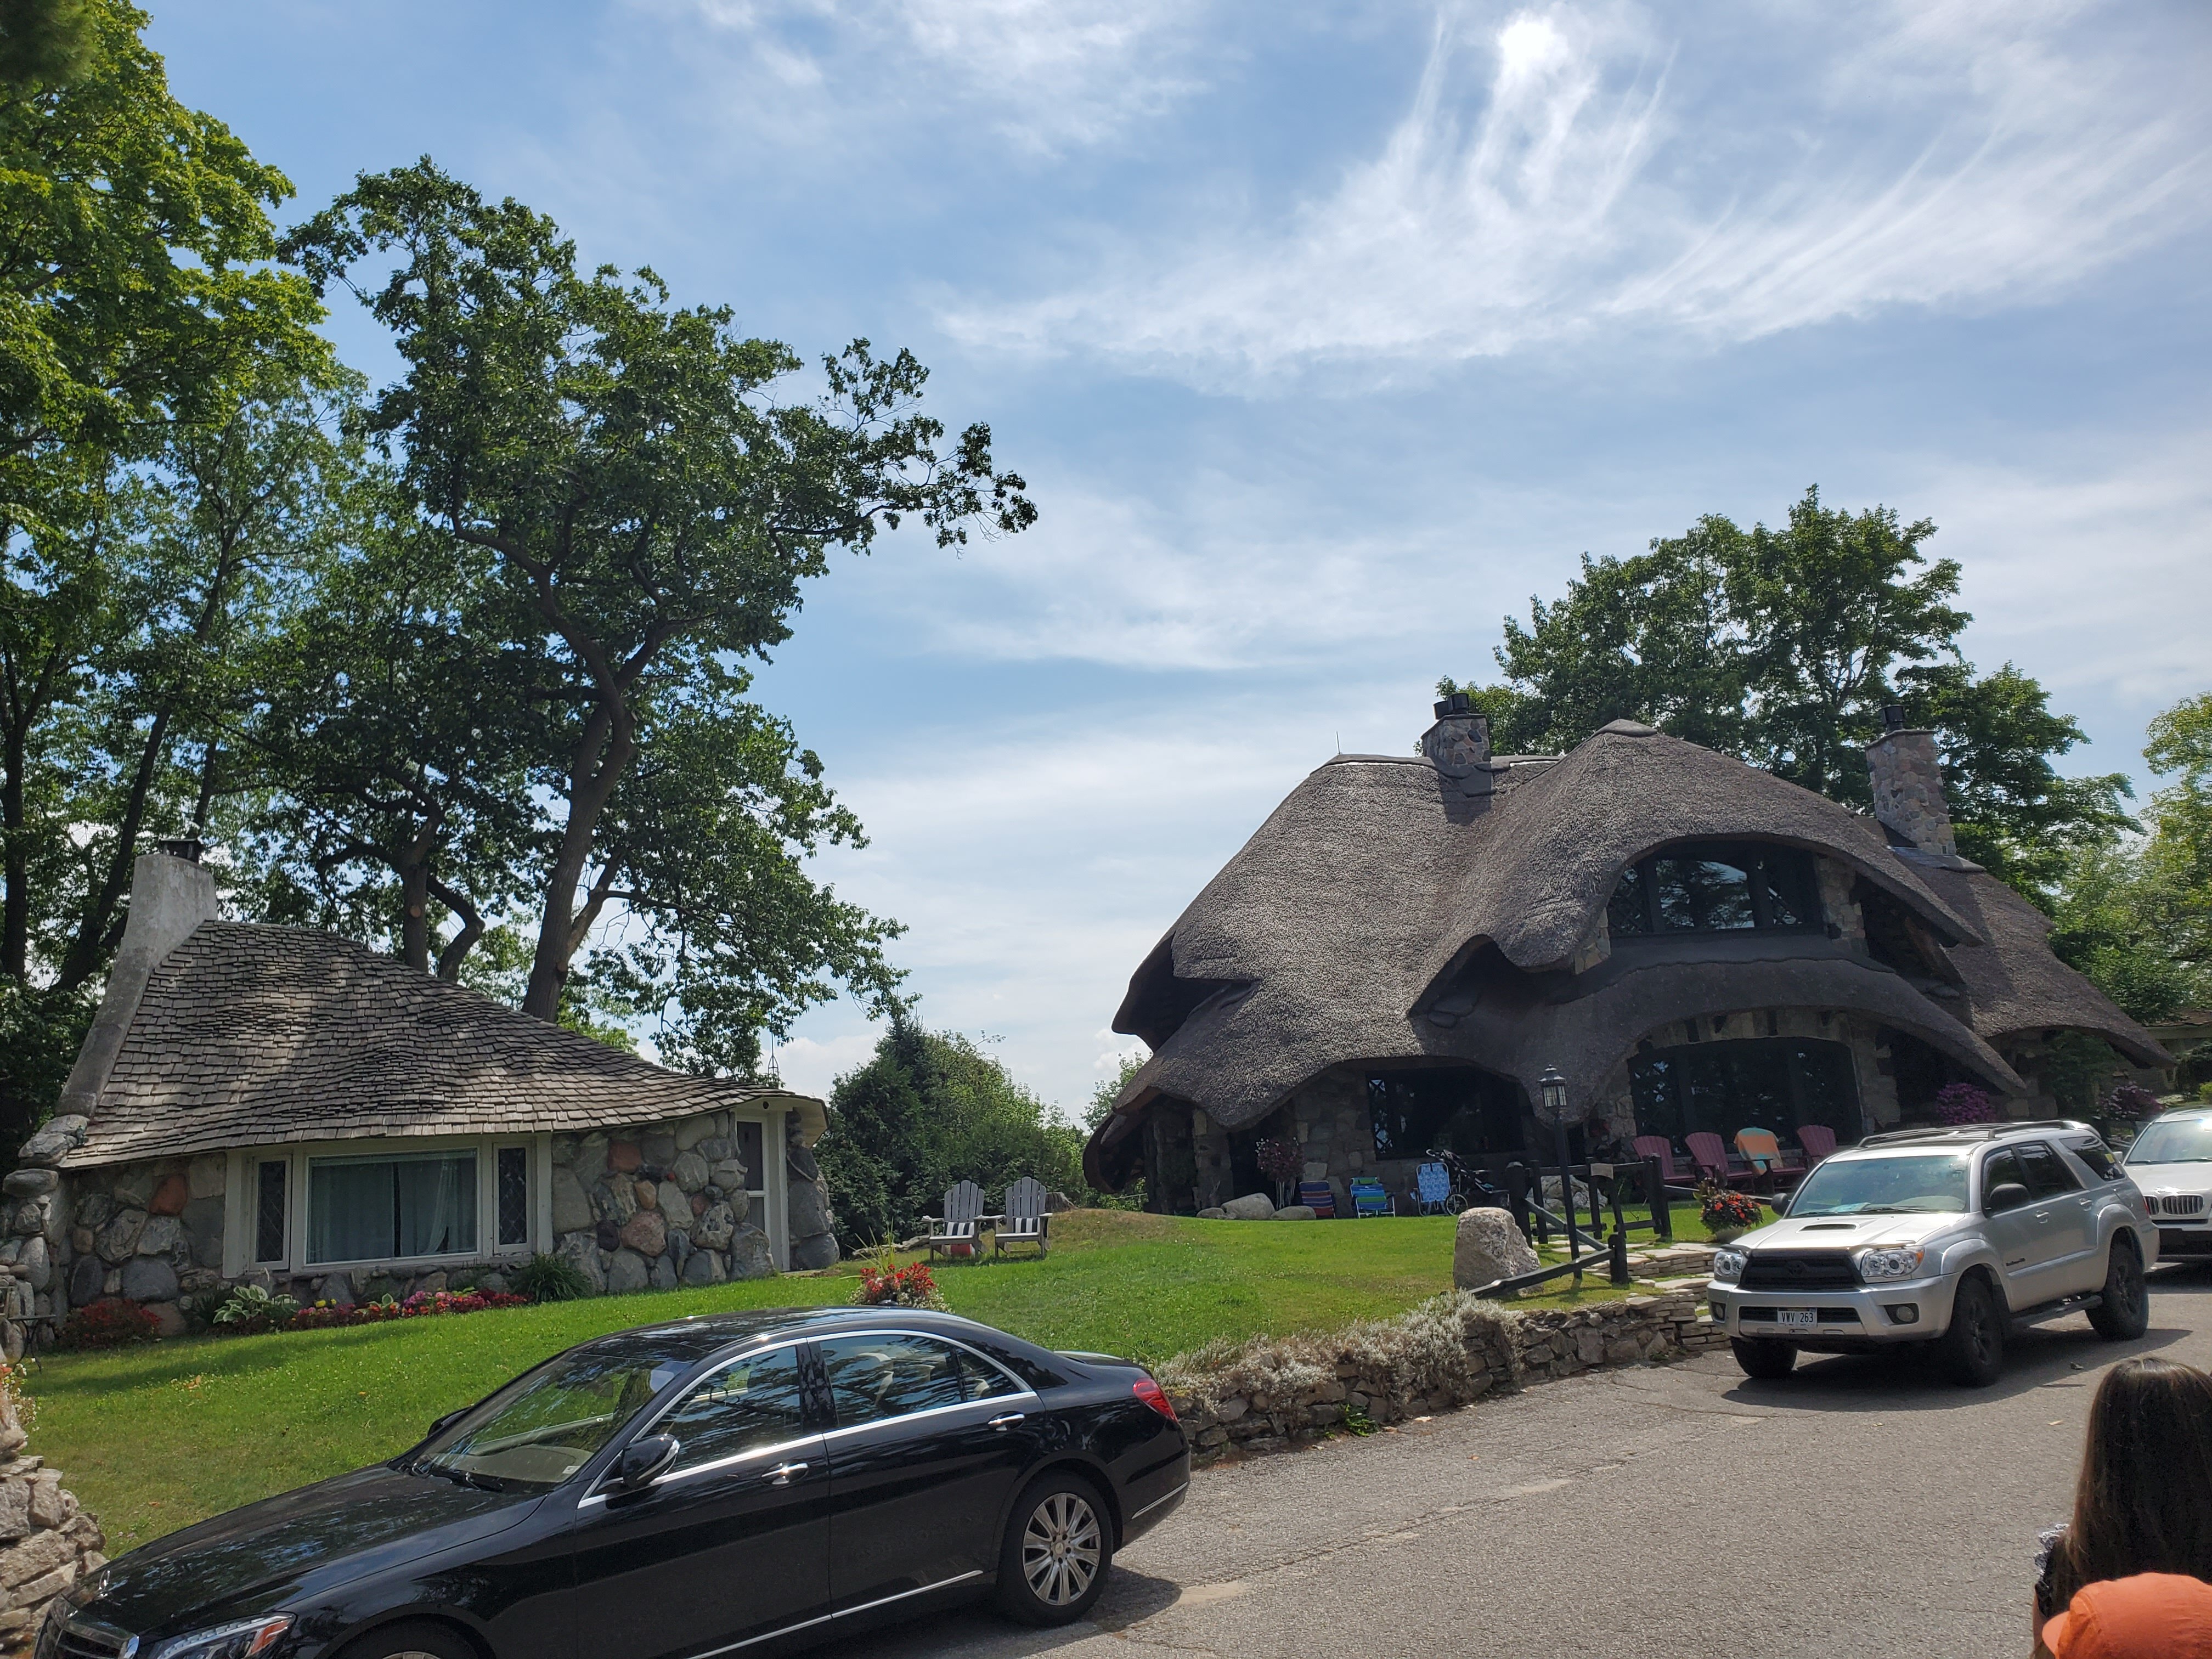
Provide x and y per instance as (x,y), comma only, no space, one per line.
(1763,1083)
(391,1207)
(1716,887)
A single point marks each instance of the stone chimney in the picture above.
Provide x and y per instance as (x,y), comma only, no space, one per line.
(1458,744)
(171,893)
(1908,785)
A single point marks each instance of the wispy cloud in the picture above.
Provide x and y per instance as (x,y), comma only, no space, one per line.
(1045,75)
(1566,168)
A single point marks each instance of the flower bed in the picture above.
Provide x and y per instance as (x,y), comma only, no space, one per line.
(331,1315)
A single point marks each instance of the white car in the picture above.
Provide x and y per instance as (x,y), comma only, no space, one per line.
(1952,1237)
(2171,1162)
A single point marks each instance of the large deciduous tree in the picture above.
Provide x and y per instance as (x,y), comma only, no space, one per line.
(1781,645)
(651,506)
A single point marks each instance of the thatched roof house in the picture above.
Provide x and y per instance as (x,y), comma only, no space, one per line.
(1410,941)
(283,1105)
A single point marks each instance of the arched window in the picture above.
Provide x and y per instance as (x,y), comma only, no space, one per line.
(1716,887)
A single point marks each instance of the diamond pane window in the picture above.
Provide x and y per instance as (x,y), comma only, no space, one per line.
(515,1196)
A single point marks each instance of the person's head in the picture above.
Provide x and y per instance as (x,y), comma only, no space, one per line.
(2144,1503)
(2153,1615)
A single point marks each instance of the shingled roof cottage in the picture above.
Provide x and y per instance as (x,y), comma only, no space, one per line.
(1409,942)
(284,1106)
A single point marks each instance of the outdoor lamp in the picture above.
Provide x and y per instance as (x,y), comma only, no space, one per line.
(1554,1088)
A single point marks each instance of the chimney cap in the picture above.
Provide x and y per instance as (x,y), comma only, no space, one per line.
(187,848)
(1893,717)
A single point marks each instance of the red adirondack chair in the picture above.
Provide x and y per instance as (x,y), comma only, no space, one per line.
(1659,1147)
(1710,1153)
(1818,1140)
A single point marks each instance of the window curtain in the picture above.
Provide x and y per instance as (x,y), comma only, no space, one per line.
(349,1211)
(437,1204)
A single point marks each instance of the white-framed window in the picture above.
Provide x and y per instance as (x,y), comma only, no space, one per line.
(373,1204)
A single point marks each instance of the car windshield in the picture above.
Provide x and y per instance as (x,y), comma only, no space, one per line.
(2174,1140)
(1912,1184)
(545,1426)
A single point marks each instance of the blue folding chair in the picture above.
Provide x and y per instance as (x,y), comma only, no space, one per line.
(1368,1197)
(1432,1186)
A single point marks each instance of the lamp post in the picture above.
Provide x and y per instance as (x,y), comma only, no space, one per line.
(1553,1089)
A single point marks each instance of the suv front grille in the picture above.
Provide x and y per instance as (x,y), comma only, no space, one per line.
(1799,1270)
(2179,1204)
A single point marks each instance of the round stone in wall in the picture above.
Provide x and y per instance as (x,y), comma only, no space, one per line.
(150,1278)
(628,1272)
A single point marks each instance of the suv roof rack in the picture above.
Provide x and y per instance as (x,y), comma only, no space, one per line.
(1974,1133)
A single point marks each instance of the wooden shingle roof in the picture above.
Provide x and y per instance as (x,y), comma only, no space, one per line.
(248,1035)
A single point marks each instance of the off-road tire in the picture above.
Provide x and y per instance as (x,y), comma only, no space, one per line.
(417,1638)
(2124,1314)
(1058,1551)
(1764,1357)
(1972,1351)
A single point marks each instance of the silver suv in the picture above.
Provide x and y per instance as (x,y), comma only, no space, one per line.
(1949,1236)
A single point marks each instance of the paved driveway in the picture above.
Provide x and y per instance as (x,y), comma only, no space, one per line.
(1863,1507)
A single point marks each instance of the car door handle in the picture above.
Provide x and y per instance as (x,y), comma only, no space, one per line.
(784,1474)
(1002,1423)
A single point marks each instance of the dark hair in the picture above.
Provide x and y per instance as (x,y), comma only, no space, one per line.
(2144,1503)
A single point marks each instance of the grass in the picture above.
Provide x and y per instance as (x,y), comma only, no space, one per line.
(154,1438)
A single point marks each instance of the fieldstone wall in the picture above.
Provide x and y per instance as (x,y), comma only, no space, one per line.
(47,1540)
(1436,1359)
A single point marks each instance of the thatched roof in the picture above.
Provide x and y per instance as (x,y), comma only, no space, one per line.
(1380,914)
(246,1036)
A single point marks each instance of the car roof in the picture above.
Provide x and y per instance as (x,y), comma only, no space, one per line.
(2070,1131)
(700,1336)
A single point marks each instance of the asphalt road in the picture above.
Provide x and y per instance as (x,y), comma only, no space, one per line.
(1861,1507)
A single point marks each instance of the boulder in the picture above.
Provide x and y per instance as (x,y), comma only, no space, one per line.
(692,1131)
(203,1223)
(35,1264)
(1214,1213)
(580,1251)
(624,1156)
(93,1209)
(739,1200)
(674,1205)
(492,1283)
(729,1175)
(645,1233)
(649,1194)
(133,1186)
(705,1267)
(799,1160)
(119,1240)
(663,1274)
(712,1228)
(810,1211)
(86,1279)
(45,1147)
(1252,1206)
(716,1148)
(170,1197)
(752,1258)
(1487,1247)
(1297,1212)
(658,1146)
(629,1272)
(336,1288)
(150,1278)
(615,1199)
(572,1206)
(679,1248)
(206,1175)
(161,1235)
(811,1255)
(689,1171)
(29,1183)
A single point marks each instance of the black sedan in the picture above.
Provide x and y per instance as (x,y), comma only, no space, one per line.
(745,1483)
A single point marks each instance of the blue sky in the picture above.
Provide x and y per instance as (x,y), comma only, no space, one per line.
(1327,335)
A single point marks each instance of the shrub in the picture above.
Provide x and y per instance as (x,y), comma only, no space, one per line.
(1962,1103)
(2131,1100)
(884,1283)
(1722,1207)
(113,1324)
(332,1316)
(247,1307)
(550,1279)
(1280,1160)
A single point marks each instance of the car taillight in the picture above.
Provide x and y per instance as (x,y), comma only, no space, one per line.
(1154,1395)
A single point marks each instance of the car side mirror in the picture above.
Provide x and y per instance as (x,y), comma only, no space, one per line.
(2005,1195)
(641,1460)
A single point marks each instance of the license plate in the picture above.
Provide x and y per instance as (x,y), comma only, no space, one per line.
(1796,1319)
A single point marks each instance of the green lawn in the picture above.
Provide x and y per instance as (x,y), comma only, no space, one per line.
(154,1438)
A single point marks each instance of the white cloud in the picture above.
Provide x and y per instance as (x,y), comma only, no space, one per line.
(1566,168)
(1046,75)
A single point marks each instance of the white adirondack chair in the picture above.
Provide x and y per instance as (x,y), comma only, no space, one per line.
(1027,1221)
(962,1222)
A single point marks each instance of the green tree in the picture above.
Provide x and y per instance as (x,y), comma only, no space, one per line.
(1781,645)
(927,1109)
(652,510)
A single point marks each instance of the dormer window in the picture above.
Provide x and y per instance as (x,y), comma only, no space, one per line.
(1711,887)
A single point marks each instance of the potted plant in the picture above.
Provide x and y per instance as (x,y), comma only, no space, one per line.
(1728,1215)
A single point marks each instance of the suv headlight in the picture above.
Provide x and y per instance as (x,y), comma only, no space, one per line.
(1728,1265)
(239,1641)
(1888,1261)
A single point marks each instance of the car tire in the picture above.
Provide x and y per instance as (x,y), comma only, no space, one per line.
(1058,1551)
(1972,1349)
(2124,1314)
(416,1639)
(1764,1357)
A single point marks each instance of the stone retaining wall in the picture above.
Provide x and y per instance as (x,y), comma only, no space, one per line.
(47,1542)
(1269,1394)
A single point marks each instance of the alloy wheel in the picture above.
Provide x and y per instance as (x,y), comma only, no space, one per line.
(1060,1550)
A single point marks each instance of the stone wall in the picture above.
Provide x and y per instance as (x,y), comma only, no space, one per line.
(1437,1358)
(47,1542)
